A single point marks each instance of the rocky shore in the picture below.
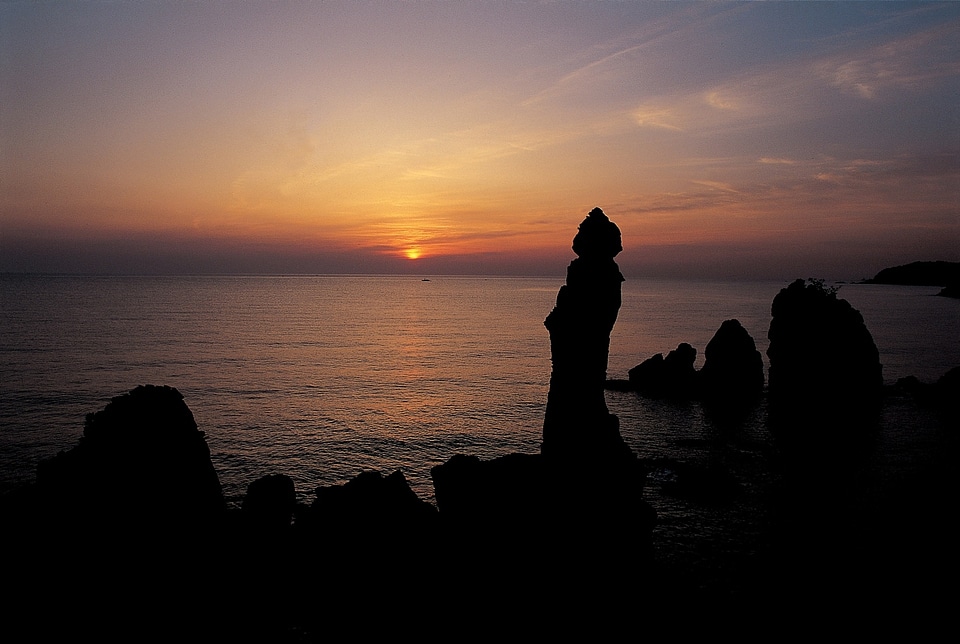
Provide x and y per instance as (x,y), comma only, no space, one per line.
(127,536)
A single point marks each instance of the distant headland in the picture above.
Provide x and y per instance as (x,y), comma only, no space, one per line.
(945,274)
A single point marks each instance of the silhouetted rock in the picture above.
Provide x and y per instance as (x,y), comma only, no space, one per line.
(679,365)
(950,290)
(123,533)
(909,384)
(948,394)
(584,491)
(577,421)
(671,377)
(732,373)
(369,501)
(367,545)
(943,394)
(270,502)
(570,513)
(823,361)
(647,375)
(597,238)
(141,461)
(532,491)
(469,489)
(945,274)
(919,274)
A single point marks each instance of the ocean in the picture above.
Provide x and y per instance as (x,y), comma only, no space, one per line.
(322,377)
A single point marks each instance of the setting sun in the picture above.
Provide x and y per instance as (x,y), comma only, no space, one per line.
(412,253)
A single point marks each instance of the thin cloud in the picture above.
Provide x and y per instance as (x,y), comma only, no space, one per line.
(572,80)
(717,185)
(804,90)
(912,62)
(776,161)
(722,102)
(622,62)
(655,117)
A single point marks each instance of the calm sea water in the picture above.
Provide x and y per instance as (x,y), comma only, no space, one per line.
(322,377)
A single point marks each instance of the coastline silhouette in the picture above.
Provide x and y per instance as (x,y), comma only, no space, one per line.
(141,509)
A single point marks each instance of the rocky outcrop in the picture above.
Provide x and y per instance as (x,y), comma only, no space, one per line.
(732,372)
(944,394)
(369,502)
(823,360)
(142,461)
(532,493)
(577,422)
(951,290)
(731,377)
(584,491)
(270,503)
(123,532)
(948,395)
(670,377)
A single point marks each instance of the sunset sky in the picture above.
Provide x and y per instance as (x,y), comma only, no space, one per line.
(772,140)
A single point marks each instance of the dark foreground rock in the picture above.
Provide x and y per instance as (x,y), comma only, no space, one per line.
(516,542)
(545,501)
(270,503)
(141,460)
(371,503)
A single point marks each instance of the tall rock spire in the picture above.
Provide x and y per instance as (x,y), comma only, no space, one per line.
(577,422)
(583,493)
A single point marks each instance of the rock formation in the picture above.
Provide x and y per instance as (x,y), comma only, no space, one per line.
(731,377)
(733,369)
(951,290)
(586,483)
(270,502)
(370,501)
(823,360)
(670,377)
(122,532)
(584,490)
(944,394)
(577,422)
(141,460)
(948,395)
